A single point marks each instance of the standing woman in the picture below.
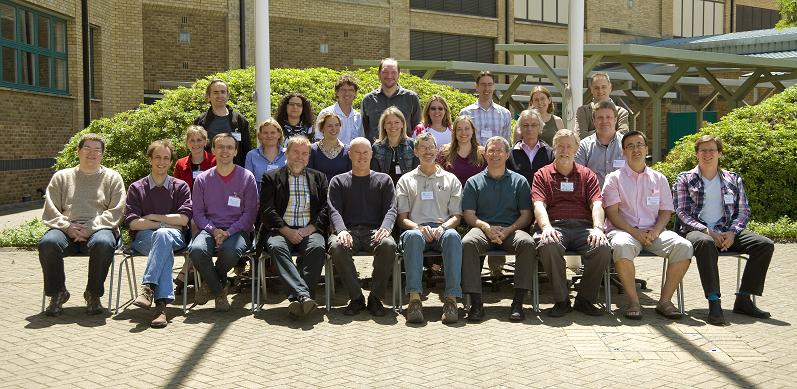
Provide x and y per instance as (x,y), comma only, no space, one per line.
(295,115)
(540,99)
(269,155)
(329,155)
(436,120)
(198,159)
(393,152)
(463,156)
(220,118)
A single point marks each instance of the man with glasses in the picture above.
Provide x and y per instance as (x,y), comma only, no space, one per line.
(638,204)
(83,207)
(601,151)
(712,212)
(530,154)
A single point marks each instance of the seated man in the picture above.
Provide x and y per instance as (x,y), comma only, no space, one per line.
(567,206)
(225,207)
(496,203)
(638,204)
(83,207)
(157,214)
(362,210)
(428,201)
(712,211)
(293,203)
(601,151)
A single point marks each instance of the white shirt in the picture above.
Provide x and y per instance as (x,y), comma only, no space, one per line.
(712,203)
(440,138)
(351,126)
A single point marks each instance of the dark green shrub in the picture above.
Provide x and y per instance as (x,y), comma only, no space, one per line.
(129,133)
(759,144)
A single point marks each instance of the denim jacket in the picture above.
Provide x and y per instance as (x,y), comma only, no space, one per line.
(383,156)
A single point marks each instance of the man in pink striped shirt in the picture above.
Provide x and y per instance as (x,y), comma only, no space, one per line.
(638,204)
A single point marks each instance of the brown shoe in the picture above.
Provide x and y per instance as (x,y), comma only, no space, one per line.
(160,319)
(222,304)
(202,294)
(144,299)
(56,306)
(93,304)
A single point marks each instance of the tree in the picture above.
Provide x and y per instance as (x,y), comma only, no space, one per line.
(788,14)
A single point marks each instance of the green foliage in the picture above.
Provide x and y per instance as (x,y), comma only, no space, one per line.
(760,145)
(129,133)
(782,230)
(788,14)
(27,235)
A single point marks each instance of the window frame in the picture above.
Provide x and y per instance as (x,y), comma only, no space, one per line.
(561,20)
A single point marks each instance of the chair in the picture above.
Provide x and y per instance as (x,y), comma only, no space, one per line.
(329,276)
(259,277)
(249,255)
(129,255)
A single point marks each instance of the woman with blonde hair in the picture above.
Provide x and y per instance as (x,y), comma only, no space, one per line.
(393,152)
(269,155)
(198,159)
(329,155)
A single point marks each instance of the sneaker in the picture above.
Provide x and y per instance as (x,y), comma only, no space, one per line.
(415,312)
(160,320)
(93,304)
(56,306)
(308,305)
(144,299)
(375,306)
(586,307)
(450,312)
(355,306)
(202,295)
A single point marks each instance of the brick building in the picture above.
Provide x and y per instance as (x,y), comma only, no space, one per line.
(138,47)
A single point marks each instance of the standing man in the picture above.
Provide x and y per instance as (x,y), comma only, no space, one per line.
(497,205)
(362,210)
(351,121)
(489,118)
(83,207)
(638,204)
(601,89)
(601,152)
(712,211)
(157,214)
(293,205)
(569,214)
(225,207)
(220,118)
(390,93)
(429,209)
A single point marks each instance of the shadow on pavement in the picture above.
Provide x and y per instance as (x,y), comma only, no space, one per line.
(71,315)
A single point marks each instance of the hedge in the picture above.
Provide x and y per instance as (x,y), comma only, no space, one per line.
(129,133)
(759,144)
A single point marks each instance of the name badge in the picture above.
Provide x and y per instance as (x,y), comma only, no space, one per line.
(618,163)
(567,187)
(398,169)
(195,173)
(234,201)
(728,199)
(236,135)
(654,200)
(271,167)
(427,195)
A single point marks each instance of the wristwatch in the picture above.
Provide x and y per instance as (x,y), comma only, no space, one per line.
(162,225)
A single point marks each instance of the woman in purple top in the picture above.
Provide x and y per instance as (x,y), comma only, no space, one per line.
(464,156)
(329,155)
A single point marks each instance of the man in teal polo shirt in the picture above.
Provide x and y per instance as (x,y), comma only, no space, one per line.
(497,204)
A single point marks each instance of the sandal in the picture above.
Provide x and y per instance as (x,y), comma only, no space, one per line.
(668,310)
(633,311)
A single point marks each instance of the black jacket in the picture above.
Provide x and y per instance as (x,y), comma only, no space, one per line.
(274,192)
(236,121)
(519,162)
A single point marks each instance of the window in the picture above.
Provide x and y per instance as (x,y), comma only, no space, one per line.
(467,7)
(32,50)
(754,18)
(446,47)
(547,11)
(698,17)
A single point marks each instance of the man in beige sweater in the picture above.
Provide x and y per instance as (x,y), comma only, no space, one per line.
(83,208)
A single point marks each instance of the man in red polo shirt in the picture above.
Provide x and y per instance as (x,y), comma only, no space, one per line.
(567,206)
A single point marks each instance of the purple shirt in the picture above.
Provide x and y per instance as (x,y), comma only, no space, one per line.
(461,167)
(144,198)
(641,196)
(231,206)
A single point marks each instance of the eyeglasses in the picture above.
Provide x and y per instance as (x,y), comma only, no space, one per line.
(91,150)
(425,148)
(533,125)
(635,146)
(298,105)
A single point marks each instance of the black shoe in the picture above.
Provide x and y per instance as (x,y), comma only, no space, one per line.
(586,307)
(475,313)
(355,306)
(745,306)
(375,306)
(56,306)
(93,305)
(516,312)
(178,286)
(295,310)
(715,316)
(308,305)
(560,309)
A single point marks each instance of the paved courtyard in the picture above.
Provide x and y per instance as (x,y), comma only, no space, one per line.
(207,349)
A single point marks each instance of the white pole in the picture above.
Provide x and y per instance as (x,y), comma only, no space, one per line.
(262,62)
(575,48)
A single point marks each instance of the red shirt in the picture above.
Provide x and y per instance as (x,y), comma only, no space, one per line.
(575,204)
(182,168)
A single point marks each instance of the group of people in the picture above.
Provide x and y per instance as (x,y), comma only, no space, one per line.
(398,178)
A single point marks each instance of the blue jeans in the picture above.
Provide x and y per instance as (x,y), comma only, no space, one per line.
(159,246)
(231,250)
(449,244)
(55,245)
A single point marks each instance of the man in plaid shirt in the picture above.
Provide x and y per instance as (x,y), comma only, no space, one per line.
(712,213)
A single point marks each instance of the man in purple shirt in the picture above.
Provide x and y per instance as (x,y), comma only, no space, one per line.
(225,207)
(157,214)
(713,212)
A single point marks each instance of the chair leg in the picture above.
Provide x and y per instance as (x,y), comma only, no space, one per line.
(119,281)
(255,283)
(44,296)
(681,297)
(397,293)
(328,283)
(535,286)
(607,287)
(110,287)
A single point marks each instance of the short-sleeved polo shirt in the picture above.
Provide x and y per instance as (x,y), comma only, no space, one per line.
(497,201)
(429,199)
(565,204)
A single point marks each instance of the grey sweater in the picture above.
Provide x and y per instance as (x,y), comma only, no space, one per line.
(368,201)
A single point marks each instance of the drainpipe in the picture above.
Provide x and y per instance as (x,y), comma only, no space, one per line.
(242,24)
(84,25)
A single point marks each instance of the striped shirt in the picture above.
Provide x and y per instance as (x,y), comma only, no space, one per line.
(297,213)
(494,121)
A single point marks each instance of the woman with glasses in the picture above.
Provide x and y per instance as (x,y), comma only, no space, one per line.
(295,115)
(436,120)
(540,99)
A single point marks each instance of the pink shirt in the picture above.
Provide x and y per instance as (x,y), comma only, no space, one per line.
(641,196)
(531,152)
